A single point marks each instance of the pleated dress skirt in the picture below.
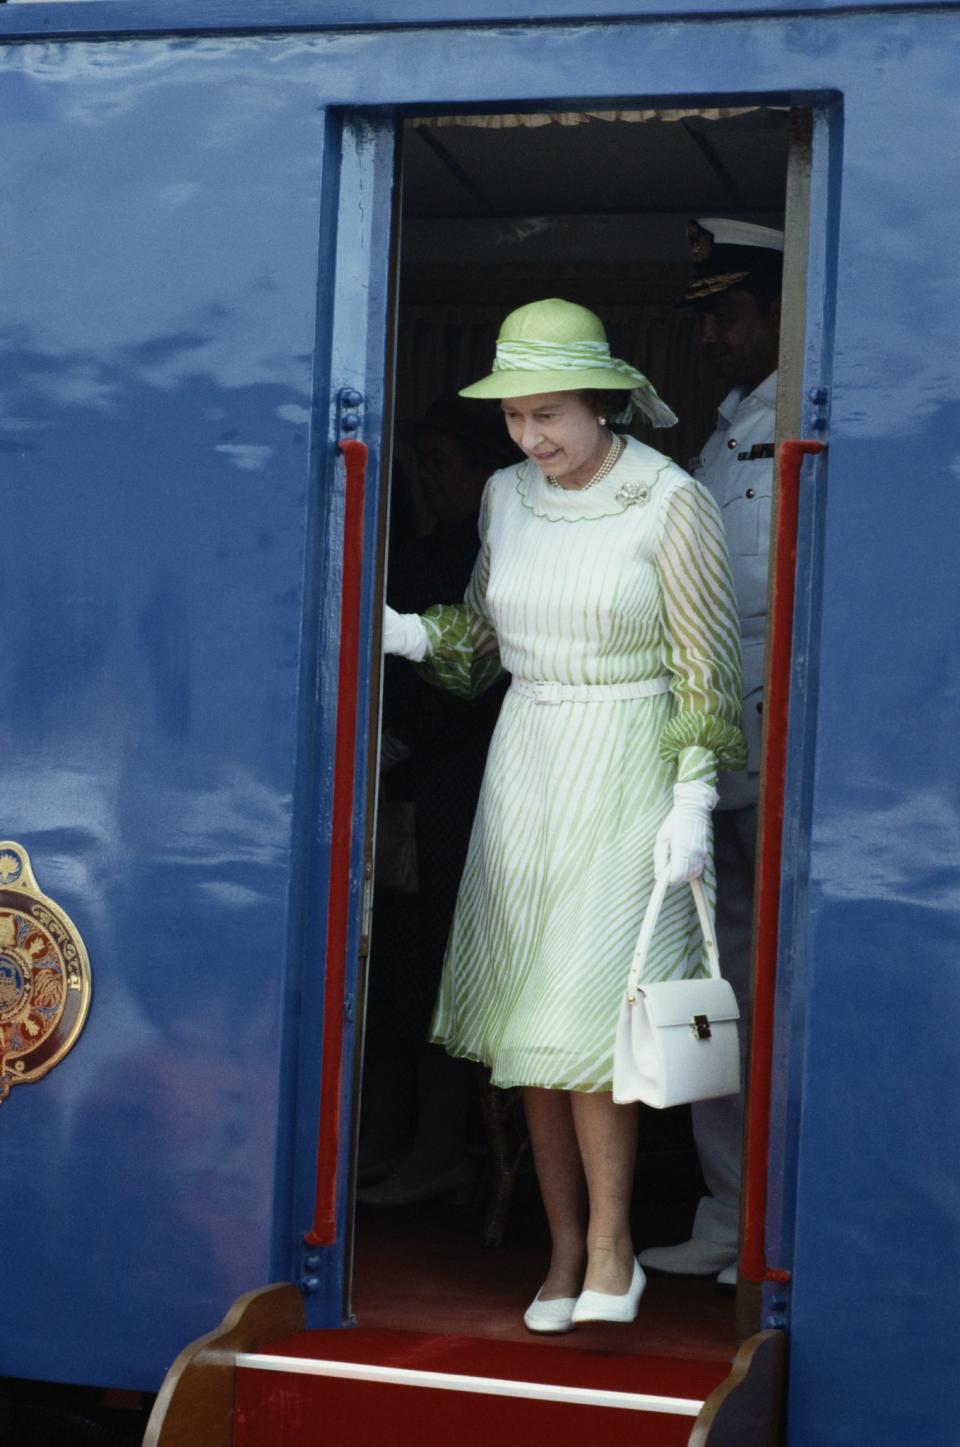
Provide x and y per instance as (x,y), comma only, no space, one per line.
(558,874)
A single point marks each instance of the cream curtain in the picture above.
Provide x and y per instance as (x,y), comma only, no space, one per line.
(577,118)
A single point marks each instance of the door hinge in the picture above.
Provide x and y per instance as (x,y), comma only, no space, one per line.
(818,409)
(349,413)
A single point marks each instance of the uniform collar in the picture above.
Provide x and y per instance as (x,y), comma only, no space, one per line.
(765,394)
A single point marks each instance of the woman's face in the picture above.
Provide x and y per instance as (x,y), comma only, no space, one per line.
(560,432)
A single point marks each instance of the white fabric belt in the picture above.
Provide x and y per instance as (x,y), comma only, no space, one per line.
(589,692)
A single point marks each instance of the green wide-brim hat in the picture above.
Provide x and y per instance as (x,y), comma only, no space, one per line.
(558,346)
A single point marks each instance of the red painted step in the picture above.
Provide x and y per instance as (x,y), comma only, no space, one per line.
(380,1388)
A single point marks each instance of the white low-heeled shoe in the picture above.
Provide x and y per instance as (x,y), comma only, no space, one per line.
(550,1317)
(603,1306)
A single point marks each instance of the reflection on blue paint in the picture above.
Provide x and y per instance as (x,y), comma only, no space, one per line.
(157,377)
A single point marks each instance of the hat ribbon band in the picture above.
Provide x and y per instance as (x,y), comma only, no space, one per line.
(575,357)
(554,357)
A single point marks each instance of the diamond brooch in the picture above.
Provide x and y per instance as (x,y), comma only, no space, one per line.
(633,494)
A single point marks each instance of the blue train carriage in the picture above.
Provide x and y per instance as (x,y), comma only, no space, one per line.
(202,208)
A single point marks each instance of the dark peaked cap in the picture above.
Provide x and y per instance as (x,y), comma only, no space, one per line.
(726,252)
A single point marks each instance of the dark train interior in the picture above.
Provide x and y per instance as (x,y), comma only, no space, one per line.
(500,210)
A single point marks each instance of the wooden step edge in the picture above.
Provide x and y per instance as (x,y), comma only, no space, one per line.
(749,1405)
(194,1407)
(460,1382)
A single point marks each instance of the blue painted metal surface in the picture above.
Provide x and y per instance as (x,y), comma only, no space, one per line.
(787,1089)
(163,359)
(356,308)
(165,477)
(145,17)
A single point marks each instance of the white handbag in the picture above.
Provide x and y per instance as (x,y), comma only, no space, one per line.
(676,1039)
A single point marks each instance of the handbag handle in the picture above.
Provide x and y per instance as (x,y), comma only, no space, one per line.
(660,888)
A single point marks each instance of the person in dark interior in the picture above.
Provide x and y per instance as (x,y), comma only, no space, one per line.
(735,289)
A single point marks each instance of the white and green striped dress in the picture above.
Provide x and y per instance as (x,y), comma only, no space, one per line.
(626,581)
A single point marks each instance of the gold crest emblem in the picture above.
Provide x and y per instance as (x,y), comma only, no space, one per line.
(44,975)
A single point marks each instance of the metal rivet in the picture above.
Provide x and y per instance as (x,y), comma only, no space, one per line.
(350,421)
(818,395)
(733,443)
(751,492)
(350,397)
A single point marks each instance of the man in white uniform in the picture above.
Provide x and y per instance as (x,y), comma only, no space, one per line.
(735,289)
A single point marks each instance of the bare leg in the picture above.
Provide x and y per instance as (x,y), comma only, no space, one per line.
(607,1139)
(556,1156)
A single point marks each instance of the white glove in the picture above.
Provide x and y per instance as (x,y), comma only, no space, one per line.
(405,634)
(683,839)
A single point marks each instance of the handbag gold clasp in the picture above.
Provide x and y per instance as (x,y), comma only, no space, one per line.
(700,1025)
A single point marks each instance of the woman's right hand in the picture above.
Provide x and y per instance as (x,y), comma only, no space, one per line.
(682,845)
(404,634)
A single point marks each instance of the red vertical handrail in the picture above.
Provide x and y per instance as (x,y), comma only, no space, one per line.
(323,1232)
(753,1255)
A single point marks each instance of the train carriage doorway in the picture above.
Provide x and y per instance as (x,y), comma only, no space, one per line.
(499,210)
(213,324)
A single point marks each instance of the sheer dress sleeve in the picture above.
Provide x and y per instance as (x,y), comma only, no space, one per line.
(701,639)
(463,656)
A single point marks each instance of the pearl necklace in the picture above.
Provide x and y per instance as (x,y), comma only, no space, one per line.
(609,462)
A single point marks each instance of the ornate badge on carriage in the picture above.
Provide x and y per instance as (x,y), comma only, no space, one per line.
(44,975)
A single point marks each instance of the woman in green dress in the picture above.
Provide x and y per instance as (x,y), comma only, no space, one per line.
(603,588)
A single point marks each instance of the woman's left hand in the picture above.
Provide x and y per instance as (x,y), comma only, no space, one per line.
(404,634)
(683,839)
